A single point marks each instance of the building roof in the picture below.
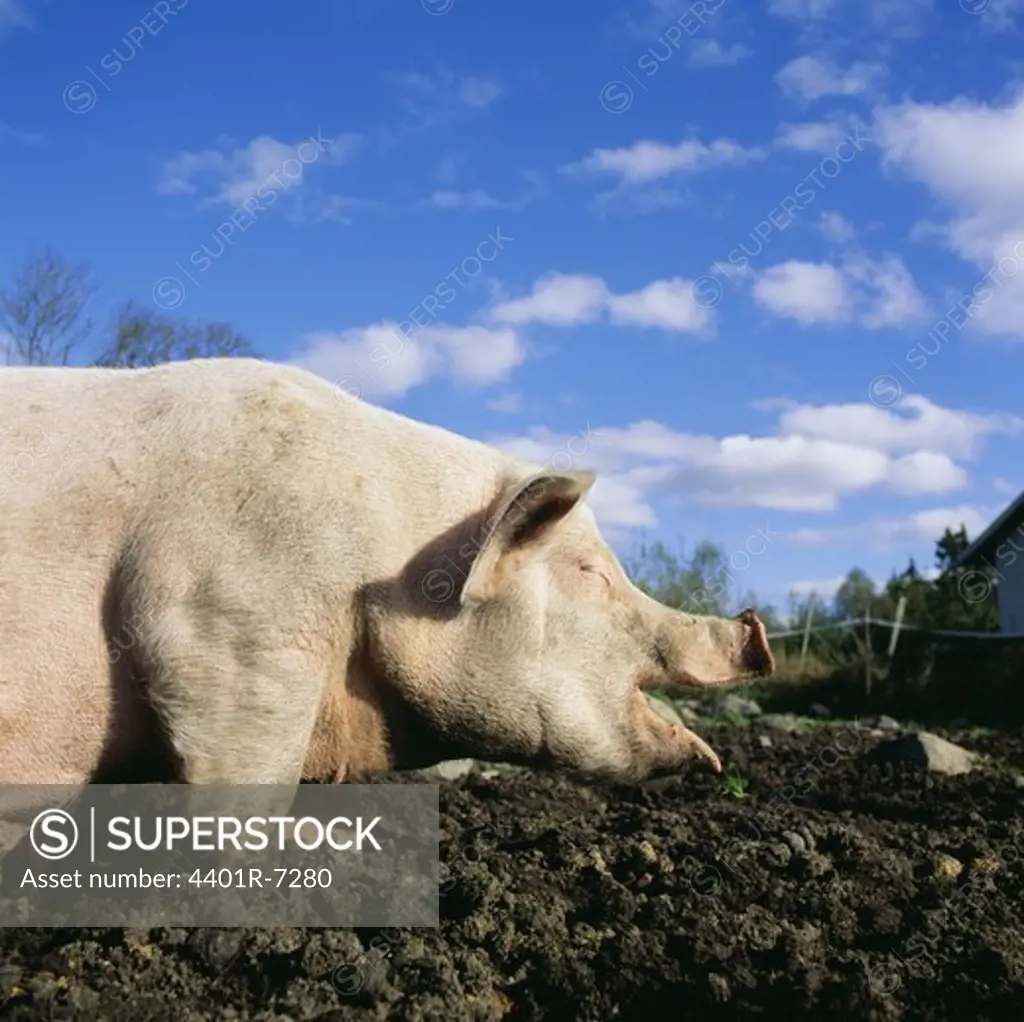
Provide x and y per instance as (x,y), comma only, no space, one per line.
(985,545)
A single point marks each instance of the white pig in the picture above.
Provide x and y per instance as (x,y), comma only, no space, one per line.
(229,571)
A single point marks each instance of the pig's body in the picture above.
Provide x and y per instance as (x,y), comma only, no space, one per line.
(229,571)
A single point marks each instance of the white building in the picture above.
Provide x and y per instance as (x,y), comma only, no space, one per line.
(1001,548)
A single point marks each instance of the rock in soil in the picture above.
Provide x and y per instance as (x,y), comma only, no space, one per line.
(744,707)
(929,751)
(833,889)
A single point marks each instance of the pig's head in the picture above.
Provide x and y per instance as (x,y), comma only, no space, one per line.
(536,648)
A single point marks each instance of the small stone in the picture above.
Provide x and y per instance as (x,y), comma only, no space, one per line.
(928,750)
(820,710)
(448,770)
(744,707)
(986,864)
(782,721)
(765,742)
(946,867)
(719,987)
(10,977)
(885,723)
(795,842)
(217,948)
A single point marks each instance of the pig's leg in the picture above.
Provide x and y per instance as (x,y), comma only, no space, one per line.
(238,723)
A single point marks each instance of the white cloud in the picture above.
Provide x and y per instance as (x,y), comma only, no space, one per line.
(804,10)
(666,304)
(913,530)
(835,227)
(711,53)
(889,18)
(971,156)
(811,136)
(818,455)
(380,361)
(508,404)
(475,199)
(562,299)
(916,424)
(575,299)
(886,292)
(873,293)
(810,77)
(824,589)
(1000,15)
(436,100)
(807,292)
(926,472)
(478,198)
(255,171)
(14,14)
(650,160)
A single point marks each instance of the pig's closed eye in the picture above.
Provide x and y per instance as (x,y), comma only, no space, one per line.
(596,569)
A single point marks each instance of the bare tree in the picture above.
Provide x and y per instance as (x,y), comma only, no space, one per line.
(44,321)
(44,311)
(144,338)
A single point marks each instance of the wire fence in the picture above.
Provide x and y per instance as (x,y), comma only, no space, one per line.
(868,622)
(930,668)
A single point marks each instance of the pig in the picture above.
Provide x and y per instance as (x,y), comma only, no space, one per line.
(230,571)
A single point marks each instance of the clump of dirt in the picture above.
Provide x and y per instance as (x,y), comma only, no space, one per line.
(811,882)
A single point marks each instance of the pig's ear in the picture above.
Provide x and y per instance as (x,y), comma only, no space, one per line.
(527,511)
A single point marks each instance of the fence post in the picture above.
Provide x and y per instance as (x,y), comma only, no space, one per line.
(901,608)
(867,652)
(807,633)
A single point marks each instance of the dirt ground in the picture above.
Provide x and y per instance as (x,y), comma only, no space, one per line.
(812,883)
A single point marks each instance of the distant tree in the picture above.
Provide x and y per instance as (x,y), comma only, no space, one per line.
(699,584)
(145,338)
(44,310)
(44,314)
(964,598)
(855,596)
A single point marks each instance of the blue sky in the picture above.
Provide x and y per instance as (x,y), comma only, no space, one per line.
(758,264)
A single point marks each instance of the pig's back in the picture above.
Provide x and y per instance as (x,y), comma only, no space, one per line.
(130,491)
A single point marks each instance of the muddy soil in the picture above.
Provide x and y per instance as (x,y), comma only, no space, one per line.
(810,883)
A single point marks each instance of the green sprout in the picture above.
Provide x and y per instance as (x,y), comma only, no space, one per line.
(736,785)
